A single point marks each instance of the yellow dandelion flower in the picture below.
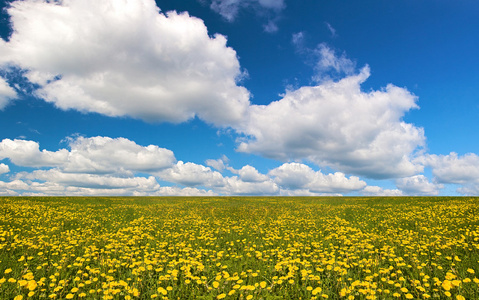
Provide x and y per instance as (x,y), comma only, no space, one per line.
(446,284)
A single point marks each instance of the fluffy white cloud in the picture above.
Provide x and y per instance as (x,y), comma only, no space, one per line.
(296,176)
(228,9)
(452,168)
(91,180)
(27,154)
(236,186)
(91,188)
(218,164)
(378,191)
(455,169)
(104,154)
(124,58)
(4,168)
(418,185)
(336,124)
(90,155)
(191,174)
(6,92)
(250,174)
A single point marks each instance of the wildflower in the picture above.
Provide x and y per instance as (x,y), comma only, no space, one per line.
(447,285)
(221,296)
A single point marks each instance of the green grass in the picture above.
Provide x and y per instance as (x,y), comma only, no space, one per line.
(239,248)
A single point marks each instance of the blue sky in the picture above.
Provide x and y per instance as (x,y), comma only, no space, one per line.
(230,97)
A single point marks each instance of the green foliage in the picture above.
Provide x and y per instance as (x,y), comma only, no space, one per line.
(239,248)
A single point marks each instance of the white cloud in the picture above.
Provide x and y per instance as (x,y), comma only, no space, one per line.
(249,181)
(452,168)
(124,58)
(4,168)
(235,186)
(296,176)
(455,169)
(89,155)
(298,39)
(327,60)
(418,185)
(91,180)
(271,26)
(187,191)
(229,9)
(250,174)
(191,174)
(58,184)
(27,154)
(470,189)
(217,164)
(336,124)
(379,191)
(104,154)
(331,29)
(6,93)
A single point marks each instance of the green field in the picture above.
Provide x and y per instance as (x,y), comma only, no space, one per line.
(239,248)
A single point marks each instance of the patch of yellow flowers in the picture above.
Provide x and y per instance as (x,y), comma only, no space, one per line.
(239,248)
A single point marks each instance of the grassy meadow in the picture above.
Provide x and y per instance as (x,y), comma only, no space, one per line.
(239,248)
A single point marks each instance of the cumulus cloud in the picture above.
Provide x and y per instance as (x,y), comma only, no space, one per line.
(455,169)
(236,186)
(111,187)
(336,124)
(228,9)
(297,176)
(7,93)
(124,58)
(418,185)
(191,174)
(218,164)
(27,154)
(91,180)
(250,174)
(452,168)
(104,154)
(372,190)
(4,168)
(89,155)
